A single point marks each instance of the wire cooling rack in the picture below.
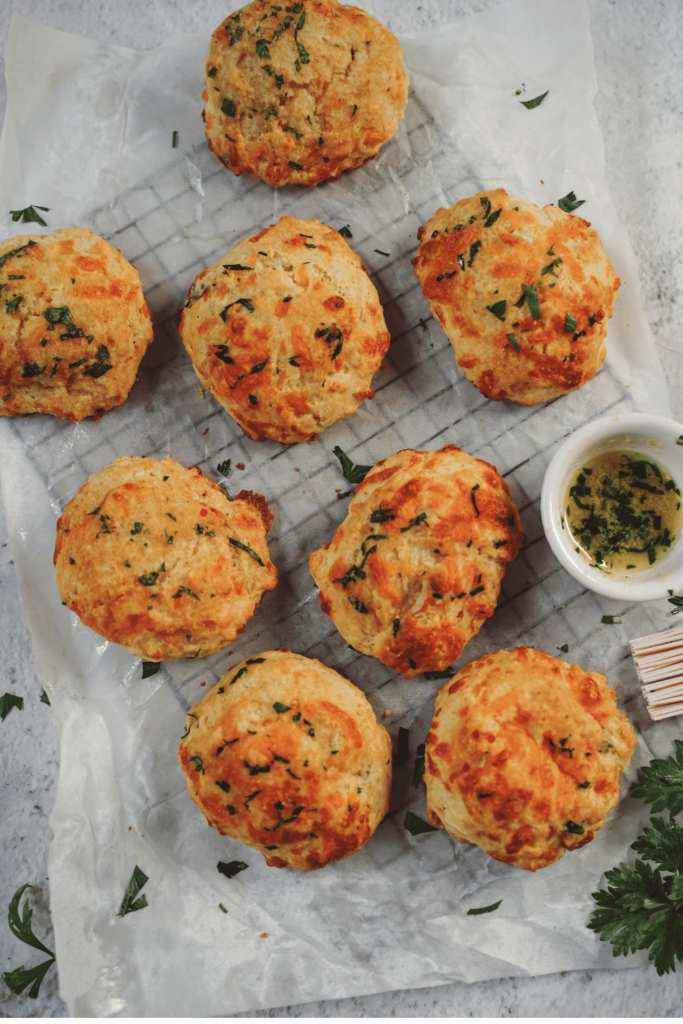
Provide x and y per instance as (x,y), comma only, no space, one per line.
(186,218)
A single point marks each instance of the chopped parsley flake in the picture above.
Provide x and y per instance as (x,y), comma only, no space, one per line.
(535,102)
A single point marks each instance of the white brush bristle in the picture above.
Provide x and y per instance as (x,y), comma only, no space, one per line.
(659,664)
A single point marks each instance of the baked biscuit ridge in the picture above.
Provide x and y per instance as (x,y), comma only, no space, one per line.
(286,331)
(155,557)
(524,756)
(296,94)
(416,567)
(523,293)
(74,325)
(285,755)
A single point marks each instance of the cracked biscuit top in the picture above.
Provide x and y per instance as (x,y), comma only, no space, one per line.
(155,557)
(524,756)
(74,325)
(524,294)
(285,755)
(286,331)
(299,92)
(416,567)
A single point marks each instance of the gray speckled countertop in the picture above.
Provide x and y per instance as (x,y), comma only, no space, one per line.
(640,110)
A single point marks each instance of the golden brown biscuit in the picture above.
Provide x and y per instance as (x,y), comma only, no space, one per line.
(524,756)
(74,325)
(416,567)
(286,331)
(155,557)
(523,294)
(295,94)
(285,755)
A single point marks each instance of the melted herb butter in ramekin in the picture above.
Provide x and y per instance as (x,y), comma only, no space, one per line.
(623,511)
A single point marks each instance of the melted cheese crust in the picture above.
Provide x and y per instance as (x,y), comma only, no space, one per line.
(285,755)
(288,344)
(415,569)
(74,325)
(524,756)
(479,256)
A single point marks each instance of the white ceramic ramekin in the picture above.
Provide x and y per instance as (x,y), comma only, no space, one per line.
(655,438)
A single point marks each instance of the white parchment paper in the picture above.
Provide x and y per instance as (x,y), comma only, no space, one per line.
(88,133)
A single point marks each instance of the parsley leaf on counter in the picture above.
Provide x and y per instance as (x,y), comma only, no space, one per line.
(29,215)
(150,668)
(231,868)
(634,894)
(18,979)
(130,903)
(224,468)
(9,701)
(416,826)
(530,104)
(484,910)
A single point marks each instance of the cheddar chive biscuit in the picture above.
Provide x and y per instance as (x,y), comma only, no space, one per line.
(416,567)
(286,331)
(524,294)
(74,325)
(285,755)
(153,556)
(297,93)
(524,756)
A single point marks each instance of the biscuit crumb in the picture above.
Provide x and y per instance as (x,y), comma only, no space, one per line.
(205,432)
(264,935)
(387,714)
(200,390)
(240,465)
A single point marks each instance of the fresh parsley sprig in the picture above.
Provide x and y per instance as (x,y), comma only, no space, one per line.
(661,785)
(642,907)
(20,978)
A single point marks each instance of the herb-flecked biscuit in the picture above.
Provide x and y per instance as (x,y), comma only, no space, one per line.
(295,94)
(524,756)
(155,557)
(286,331)
(415,569)
(74,325)
(523,293)
(285,755)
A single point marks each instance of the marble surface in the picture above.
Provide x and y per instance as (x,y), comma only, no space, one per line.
(640,110)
